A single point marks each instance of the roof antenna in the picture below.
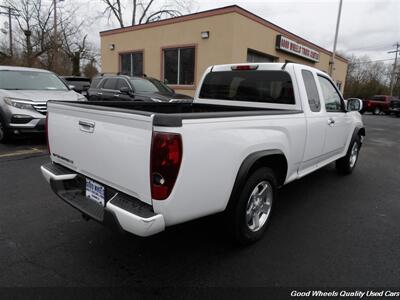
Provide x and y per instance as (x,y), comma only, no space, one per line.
(284,65)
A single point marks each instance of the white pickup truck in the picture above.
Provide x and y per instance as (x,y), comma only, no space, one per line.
(251,129)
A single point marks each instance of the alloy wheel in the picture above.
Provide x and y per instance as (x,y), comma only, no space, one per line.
(354,155)
(259,206)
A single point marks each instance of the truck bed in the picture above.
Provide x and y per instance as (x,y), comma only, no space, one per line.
(172,114)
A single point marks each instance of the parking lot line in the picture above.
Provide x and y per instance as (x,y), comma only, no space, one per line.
(22,152)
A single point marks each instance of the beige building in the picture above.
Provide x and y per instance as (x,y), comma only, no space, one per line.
(178,50)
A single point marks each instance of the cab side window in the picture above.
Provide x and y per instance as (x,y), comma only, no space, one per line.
(332,98)
(312,91)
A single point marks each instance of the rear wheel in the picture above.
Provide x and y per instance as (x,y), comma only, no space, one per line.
(376,111)
(250,215)
(347,164)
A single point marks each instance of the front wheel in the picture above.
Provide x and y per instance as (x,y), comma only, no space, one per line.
(347,164)
(3,133)
(252,211)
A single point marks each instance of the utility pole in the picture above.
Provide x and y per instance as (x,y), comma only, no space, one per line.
(11,12)
(10,28)
(55,54)
(392,78)
(332,62)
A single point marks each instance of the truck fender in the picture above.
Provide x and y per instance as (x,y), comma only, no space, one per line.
(358,131)
(277,162)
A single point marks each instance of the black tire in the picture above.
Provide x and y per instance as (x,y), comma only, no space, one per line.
(238,212)
(346,164)
(376,111)
(3,132)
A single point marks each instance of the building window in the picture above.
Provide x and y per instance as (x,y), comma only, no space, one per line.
(132,63)
(179,66)
(255,56)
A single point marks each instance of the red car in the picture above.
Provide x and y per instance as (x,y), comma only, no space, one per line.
(377,104)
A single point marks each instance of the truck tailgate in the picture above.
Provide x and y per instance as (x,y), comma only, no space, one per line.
(110,147)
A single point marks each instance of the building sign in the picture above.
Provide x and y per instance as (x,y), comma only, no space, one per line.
(288,45)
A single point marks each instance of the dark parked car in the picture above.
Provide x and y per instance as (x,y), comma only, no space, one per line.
(78,84)
(132,88)
(395,107)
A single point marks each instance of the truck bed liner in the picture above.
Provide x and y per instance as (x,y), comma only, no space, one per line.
(172,114)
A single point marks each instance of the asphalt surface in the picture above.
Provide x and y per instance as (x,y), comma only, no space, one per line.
(327,231)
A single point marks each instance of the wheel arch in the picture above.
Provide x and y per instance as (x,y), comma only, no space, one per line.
(358,131)
(361,131)
(274,159)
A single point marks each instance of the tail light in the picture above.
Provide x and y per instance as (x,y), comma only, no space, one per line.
(47,132)
(166,157)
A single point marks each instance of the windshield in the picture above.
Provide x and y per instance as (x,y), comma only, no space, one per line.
(148,85)
(378,98)
(30,80)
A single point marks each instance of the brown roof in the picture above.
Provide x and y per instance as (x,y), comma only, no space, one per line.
(216,12)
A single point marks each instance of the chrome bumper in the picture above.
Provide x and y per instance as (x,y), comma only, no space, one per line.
(129,213)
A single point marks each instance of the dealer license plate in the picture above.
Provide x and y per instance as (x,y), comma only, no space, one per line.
(95,191)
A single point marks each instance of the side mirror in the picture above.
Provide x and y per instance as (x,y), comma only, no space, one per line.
(126,91)
(354,104)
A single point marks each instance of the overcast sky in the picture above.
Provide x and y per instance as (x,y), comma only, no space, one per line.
(368,27)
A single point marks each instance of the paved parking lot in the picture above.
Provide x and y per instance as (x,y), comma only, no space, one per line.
(327,230)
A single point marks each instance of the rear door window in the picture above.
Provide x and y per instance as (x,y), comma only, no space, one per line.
(122,83)
(95,83)
(110,84)
(249,85)
(312,91)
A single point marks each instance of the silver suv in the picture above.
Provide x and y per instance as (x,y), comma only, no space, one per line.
(24,93)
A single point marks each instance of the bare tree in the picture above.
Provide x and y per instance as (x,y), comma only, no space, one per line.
(145,11)
(366,77)
(36,42)
(90,70)
(74,43)
(34,24)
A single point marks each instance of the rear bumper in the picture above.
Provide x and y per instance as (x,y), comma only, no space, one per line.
(121,211)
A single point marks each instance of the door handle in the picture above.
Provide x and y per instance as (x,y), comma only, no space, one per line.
(116,95)
(87,126)
(331,122)
(99,94)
